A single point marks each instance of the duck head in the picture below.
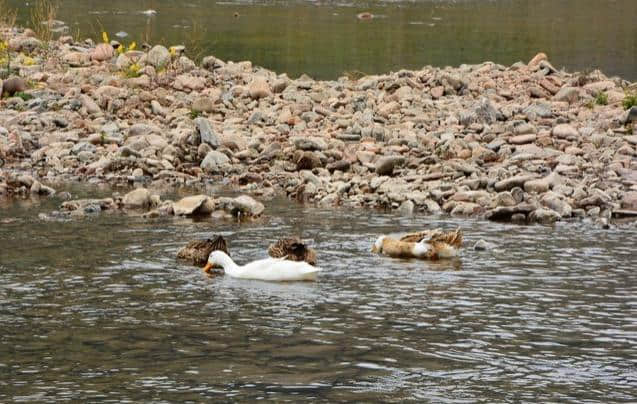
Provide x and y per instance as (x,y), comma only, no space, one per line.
(215,263)
(378,245)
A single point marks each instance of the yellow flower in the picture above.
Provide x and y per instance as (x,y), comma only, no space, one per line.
(173,51)
(132,46)
(28,61)
(3,46)
(105,37)
(120,49)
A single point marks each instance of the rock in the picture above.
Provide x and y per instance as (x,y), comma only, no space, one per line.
(259,88)
(567,94)
(506,212)
(543,184)
(309,143)
(89,104)
(565,131)
(517,181)
(102,52)
(157,108)
(280,84)
(123,62)
(193,205)
(386,165)
(542,215)
(537,59)
(186,81)
(341,165)
(139,198)
(505,199)
(554,202)
(214,162)
(629,200)
(142,81)
(523,139)
(203,104)
(206,132)
(158,57)
(631,115)
(308,161)
(538,186)
(24,44)
(86,204)
(437,92)
(14,85)
(243,205)
(482,245)
(485,112)
(407,208)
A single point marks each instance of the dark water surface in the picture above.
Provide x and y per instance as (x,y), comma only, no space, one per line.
(98,309)
(324,38)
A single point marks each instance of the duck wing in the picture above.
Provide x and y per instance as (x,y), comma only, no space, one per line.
(294,249)
(198,251)
(452,238)
(417,237)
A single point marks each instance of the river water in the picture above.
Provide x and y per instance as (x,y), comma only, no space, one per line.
(324,38)
(97,309)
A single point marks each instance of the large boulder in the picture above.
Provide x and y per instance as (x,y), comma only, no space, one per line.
(193,205)
(386,165)
(215,162)
(158,57)
(102,52)
(139,198)
(243,205)
(259,88)
(206,132)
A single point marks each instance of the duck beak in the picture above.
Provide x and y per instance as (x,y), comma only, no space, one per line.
(207,268)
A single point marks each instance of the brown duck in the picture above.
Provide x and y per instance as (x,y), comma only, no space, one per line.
(428,244)
(197,251)
(294,249)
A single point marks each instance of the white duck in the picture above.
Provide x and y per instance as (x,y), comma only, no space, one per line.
(269,269)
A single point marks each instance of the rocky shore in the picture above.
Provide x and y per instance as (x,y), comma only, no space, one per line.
(524,143)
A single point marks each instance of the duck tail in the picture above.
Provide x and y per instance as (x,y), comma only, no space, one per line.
(455,238)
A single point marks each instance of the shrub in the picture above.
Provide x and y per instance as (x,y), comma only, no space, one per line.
(601,99)
(630,100)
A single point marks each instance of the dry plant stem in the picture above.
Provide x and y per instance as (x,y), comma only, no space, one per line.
(7,15)
(43,14)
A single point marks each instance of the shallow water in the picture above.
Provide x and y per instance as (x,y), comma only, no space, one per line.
(98,309)
(324,38)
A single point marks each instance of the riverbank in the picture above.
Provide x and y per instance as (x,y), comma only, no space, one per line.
(524,143)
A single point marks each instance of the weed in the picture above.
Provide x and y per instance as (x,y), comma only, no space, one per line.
(601,98)
(6,59)
(43,14)
(194,114)
(24,96)
(7,15)
(132,71)
(194,40)
(630,100)
(354,75)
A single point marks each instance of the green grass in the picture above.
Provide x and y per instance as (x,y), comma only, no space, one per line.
(630,100)
(194,114)
(24,96)
(601,99)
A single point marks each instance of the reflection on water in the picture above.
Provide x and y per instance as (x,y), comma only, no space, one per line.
(98,309)
(324,38)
